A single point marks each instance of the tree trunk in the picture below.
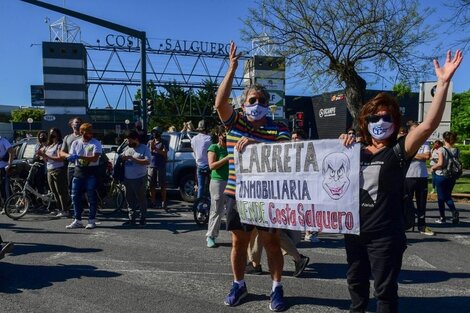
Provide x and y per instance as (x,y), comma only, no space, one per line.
(355,92)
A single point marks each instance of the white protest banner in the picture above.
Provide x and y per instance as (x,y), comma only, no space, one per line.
(303,185)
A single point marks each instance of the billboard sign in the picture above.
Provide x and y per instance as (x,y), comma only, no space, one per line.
(37,95)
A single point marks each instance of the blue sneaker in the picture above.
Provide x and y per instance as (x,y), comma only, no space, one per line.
(277,300)
(236,294)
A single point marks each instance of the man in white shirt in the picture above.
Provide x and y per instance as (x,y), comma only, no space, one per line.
(200,143)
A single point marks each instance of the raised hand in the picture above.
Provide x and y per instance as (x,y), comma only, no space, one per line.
(445,73)
(233,56)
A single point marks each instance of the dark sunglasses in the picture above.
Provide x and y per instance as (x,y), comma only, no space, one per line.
(375,118)
(261,100)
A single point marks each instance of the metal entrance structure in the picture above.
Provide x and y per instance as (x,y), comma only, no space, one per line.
(187,69)
(191,71)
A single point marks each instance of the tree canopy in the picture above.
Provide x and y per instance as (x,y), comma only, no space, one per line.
(22,115)
(461,114)
(343,40)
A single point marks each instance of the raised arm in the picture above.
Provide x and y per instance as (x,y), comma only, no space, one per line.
(444,75)
(223,107)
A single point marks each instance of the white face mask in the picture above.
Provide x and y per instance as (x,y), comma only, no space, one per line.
(381,130)
(256,112)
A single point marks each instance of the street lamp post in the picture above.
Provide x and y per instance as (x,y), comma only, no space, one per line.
(127,123)
(30,121)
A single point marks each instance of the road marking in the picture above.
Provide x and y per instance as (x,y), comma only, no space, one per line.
(462,239)
(416,261)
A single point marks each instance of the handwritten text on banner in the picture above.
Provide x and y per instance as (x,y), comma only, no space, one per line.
(302,185)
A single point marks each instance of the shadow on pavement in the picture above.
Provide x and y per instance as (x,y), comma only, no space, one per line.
(429,276)
(22,248)
(329,303)
(435,304)
(14,278)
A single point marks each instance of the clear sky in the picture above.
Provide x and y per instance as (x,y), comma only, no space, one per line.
(22,29)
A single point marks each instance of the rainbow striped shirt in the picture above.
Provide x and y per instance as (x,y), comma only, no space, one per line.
(238,126)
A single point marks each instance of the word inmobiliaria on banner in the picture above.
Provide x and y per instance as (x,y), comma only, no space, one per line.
(304,185)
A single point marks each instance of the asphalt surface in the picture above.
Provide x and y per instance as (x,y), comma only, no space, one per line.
(166,267)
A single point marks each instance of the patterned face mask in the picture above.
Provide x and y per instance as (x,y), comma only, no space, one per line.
(256,112)
(381,130)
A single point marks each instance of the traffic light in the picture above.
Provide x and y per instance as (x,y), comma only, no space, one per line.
(150,108)
(137,109)
(299,120)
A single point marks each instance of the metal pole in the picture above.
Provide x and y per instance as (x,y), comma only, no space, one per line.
(143,78)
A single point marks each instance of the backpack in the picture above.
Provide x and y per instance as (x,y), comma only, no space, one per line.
(118,169)
(453,168)
(409,214)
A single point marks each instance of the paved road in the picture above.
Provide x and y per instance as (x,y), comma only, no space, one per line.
(165,267)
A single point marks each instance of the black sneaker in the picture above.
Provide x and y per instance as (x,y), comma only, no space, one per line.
(128,223)
(300,265)
(253,270)
(455,218)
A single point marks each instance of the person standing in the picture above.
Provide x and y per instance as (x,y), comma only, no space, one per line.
(251,126)
(157,171)
(7,154)
(57,171)
(434,158)
(445,185)
(200,143)
(416,183)
(75,124)
(85,152)
(218,164)
(378,249)
(136,158)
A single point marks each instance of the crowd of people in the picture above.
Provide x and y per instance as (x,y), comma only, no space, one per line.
(392,166)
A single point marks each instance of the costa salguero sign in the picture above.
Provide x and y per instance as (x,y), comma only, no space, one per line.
(171,45)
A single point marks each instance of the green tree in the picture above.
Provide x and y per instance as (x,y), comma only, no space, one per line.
(461,114)
(401,89)
(341,40)
(22,115)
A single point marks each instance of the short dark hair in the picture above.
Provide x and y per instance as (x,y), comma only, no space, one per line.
(449,137)
(75,118)
(133,134)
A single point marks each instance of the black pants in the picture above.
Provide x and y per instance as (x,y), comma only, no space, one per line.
(417,187)
(380,256)
(4,186)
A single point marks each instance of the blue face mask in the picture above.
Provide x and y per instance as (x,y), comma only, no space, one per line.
(256,112)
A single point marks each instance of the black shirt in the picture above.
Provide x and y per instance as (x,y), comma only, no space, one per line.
(382,180)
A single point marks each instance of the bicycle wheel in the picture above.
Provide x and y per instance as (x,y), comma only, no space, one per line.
(201,210)
(112,201)
(17,205)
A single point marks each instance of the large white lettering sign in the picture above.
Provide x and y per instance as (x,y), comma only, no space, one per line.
(303,185)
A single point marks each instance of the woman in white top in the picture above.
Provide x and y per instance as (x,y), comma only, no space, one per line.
(57,171)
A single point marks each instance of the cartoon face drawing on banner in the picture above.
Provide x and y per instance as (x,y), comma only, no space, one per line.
(335,171)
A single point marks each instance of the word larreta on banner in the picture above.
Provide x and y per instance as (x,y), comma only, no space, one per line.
(307,185)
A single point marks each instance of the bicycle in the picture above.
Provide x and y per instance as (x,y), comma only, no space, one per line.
(18,204)
(111,198)
(201,207)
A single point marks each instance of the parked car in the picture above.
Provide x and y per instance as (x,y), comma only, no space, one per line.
(180,167)
(24,155)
